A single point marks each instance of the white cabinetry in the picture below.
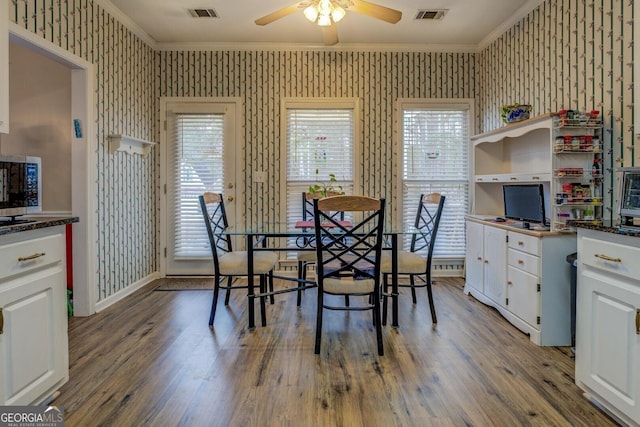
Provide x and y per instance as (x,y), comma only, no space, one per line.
(524,275)
(4,66)
(34,359)
(527,153)
(608,321)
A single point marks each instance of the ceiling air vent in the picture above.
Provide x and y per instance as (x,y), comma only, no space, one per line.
(203,13)
(431,15)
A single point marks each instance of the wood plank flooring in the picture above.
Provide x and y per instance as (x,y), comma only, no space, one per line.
(151,359)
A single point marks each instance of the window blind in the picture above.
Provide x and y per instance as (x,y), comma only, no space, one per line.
(319,143)
(196,155)
(435,159)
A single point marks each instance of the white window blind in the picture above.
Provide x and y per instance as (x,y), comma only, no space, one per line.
(196,155)
(435,160)
(319,143)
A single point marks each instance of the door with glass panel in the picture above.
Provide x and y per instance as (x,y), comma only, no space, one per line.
(199,157)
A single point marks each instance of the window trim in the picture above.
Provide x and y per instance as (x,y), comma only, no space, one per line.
(314,104)
(431,103)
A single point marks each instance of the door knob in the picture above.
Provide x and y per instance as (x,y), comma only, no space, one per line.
(230,198)
(230,185)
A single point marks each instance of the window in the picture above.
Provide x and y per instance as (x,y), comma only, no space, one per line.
(197,159)
(320,140)
(435,158)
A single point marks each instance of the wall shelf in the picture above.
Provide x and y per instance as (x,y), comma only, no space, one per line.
(129,144)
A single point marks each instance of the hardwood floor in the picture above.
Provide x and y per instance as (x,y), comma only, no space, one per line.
(151,359)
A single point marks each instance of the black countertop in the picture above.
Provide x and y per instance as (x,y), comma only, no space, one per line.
(607,228)
(34,223)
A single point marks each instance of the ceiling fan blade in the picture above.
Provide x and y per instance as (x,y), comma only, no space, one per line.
(330,34)
(376,11)
(268,19)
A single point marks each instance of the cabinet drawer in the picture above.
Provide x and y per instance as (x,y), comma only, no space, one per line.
(23,256)
(524,261)
(525,243)
(611,257)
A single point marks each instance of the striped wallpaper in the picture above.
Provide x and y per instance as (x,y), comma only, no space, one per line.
(565,54)
(571,54)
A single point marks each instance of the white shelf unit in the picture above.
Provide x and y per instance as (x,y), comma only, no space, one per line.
(129,145)
(573,167)
(4,67)
(527,153)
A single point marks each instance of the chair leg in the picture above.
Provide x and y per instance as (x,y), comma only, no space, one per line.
(319,322)
(229,283)
(214,303)
(413,289)
(301,275)
(377,323)
(385,288)
(263,308)
(434,319)
(271,297)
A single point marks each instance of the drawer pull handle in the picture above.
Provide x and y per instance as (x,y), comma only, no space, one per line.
(521,243)
(509,282)
(479,258)
(637,321)
(31,257)
(520,261)
(2,322)
(607,258)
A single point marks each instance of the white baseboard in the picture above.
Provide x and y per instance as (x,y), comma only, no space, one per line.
(122,293)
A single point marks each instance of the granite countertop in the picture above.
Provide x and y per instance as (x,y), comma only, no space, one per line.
(607,227)
(34,223)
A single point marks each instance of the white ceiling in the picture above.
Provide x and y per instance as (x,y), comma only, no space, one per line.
(468,24)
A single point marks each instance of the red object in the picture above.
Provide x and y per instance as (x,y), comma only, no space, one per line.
(310,224)
(69,236)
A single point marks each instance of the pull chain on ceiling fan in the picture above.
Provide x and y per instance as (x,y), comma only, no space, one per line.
(326,13)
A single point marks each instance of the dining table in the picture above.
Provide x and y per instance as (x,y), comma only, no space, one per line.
(257,238)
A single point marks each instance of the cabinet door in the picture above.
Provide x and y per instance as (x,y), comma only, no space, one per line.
(523,295)
(33,344)
(4,67)
(495,254)
(474,256)
(608,342)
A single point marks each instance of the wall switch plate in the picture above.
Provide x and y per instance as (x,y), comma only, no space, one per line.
(259,176)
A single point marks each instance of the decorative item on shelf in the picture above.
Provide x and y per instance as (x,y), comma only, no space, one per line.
(515,112)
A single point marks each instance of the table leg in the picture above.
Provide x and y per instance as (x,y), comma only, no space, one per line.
(250,292)
(394,280)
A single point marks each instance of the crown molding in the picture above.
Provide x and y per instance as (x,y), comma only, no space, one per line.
(523,11)
(127,22)
(343,47)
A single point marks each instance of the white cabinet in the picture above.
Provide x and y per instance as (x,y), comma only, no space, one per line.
(608,321)
(485,259)
(4,66)
(524,275)
(34,358)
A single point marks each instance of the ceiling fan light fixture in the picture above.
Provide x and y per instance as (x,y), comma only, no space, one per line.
(311,13)
(337,13)
(324,20)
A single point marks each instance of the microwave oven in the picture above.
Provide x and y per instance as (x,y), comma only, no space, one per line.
(629,198)
(20,185)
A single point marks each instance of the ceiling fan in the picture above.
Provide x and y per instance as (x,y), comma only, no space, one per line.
(326,13)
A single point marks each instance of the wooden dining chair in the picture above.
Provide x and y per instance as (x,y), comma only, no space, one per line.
(227,263)
(348,258)
(413,262)
(307,258)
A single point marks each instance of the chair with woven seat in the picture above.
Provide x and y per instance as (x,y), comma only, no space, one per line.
(307,258)
(227,263)
(413,263)
(348,258)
